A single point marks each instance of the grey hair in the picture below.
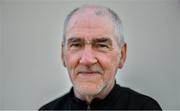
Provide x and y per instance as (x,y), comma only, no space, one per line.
(101,11)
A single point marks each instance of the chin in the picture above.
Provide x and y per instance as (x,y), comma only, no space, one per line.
(88,88)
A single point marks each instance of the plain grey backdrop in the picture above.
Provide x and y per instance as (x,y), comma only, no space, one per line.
(31,72)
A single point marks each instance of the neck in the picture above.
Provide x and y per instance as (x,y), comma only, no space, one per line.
(101,95)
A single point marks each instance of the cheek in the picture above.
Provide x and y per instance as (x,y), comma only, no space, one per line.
(109,63)
(71,60)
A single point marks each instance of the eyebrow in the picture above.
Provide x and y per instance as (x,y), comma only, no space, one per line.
(74,39)
(96,40)
(103,40)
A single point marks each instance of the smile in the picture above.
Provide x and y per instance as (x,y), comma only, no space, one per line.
(89,73)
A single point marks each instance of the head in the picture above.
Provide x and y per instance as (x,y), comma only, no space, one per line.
(93,49)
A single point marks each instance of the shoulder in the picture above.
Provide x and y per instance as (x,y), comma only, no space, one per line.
(136,100)
(58,103)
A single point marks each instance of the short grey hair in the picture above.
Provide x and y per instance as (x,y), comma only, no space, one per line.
(100,11)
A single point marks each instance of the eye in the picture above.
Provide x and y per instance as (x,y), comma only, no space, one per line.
(77,45)
(102,45)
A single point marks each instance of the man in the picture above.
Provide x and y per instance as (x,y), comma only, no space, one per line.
(93,49)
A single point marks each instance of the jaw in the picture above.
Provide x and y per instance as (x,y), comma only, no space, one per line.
(88,86)
(88,90)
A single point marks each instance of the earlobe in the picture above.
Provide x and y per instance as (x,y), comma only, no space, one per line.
(62,55)
(123,55)
(63,63)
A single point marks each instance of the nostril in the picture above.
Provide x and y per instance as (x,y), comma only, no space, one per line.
(88,56)
(88,59)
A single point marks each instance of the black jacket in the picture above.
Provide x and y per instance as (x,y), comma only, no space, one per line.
(120,98)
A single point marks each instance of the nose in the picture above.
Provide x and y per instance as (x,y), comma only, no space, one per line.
(88,57)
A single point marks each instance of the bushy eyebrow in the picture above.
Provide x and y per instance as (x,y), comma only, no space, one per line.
(94,41)
(75,39)
(102,40)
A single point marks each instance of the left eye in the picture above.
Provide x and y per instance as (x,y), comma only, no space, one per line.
(102,45)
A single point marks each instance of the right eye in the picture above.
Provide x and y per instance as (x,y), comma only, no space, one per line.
(76,45)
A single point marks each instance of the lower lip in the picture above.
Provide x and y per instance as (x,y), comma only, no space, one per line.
(89,73)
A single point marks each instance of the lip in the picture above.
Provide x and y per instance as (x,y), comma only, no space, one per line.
(89,73)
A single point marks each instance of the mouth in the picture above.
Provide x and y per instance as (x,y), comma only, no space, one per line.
(88,72)
(89,76)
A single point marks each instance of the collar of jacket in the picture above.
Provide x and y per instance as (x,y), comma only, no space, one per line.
(96,103)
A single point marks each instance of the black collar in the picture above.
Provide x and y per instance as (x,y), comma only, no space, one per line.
(96,103)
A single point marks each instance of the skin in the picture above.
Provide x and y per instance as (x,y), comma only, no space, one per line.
(92,68)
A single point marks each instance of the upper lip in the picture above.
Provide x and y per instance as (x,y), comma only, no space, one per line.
(88,72)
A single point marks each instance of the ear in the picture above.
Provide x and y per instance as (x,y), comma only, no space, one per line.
(62,54)
(123,55)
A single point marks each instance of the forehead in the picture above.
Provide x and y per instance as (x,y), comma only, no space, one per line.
(90,23)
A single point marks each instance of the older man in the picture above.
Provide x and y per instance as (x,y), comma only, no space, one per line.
(93,49)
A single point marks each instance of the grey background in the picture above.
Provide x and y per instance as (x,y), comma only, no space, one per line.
(31,72)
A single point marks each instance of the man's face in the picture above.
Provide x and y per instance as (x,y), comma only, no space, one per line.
(91,54)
